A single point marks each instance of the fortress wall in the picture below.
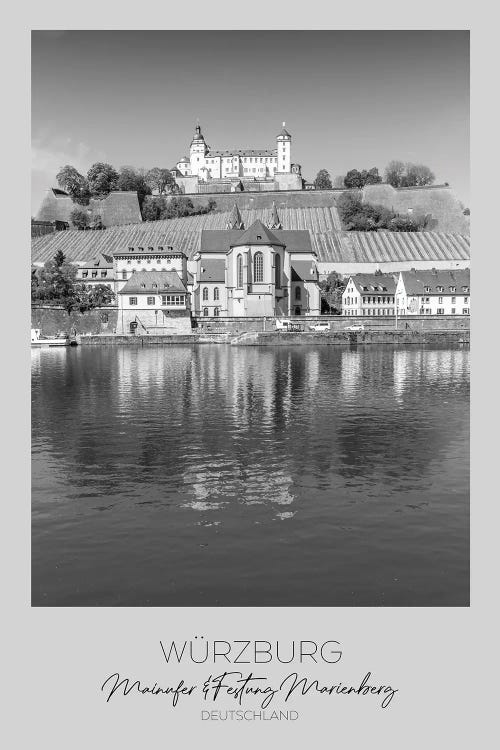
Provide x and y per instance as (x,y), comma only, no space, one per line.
(440,201)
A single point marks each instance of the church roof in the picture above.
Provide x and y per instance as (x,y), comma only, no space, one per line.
(222,240)
(304,270)
(212,270)
(257,234)
(157,282)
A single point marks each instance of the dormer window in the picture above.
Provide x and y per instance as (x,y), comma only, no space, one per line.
(453,289)
(160,249)
(155,286)
(150,249)
(141,249)
(131,249)
(143,286)
(465,289)
(427,289)
(259,237)
(440,288)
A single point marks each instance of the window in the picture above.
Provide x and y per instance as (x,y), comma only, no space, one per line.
(466,300)
(151,300)
(205,312)
(465,289)
(85,274)
(440,288)
(216,293)
(94,274)
(258,267)
(453,289)
(173,300)
(143,286)
(427,289)
(239,272)
(440,311)
(104,274)
(465,311)
(158,260)
(104,317)
(453,300)
(132,300)
(129,262)
(298,292)
(124,274)
(205,294)
(453,310)
(277,271)
(216,311)
(440,301)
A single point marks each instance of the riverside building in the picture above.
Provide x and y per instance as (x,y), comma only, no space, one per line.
(433,292)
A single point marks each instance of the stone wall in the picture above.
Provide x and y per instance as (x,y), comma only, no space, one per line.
(349,338)
(440,202)
(337,323)
(52,320)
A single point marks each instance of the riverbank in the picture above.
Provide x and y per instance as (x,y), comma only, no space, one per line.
(280,338)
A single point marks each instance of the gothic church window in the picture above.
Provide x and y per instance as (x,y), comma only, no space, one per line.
(258,268)
(239,272)
(205,293)
(216,293)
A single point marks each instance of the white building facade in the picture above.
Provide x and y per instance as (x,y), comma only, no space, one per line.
(264,165)
(369,295)
(433,292)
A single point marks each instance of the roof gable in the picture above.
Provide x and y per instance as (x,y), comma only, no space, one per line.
(155,282)
(257,234)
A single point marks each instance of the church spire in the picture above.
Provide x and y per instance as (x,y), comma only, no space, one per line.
(274,220)
(235,221)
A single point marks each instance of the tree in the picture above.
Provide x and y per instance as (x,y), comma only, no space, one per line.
(399,174)
(132,179)
(331,290)
(394,172)
(75,184)
(417,175)
(355,179)
(80,218)
(211,205)
(403,224)
(59,258)
(323,180)
(102,179)
(160,180)
(181,206)
(154,208)
(100,295)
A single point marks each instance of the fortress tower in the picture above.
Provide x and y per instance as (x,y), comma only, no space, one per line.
(284,143)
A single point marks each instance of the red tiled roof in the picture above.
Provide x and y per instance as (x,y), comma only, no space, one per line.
(156,282)
(416,282)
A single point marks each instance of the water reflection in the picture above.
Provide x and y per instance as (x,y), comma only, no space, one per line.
(171,444)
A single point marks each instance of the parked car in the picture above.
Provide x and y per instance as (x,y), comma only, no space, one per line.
(288,325)
(359,327)
(320,327)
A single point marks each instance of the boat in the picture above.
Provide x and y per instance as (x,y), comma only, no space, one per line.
(37,340)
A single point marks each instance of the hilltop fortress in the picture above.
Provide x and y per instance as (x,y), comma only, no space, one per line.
(235,170)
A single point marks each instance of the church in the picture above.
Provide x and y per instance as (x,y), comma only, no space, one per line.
(255,272)
(238,169)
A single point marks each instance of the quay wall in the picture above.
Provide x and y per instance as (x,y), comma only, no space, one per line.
(349,338)
(337,323)
(52,320)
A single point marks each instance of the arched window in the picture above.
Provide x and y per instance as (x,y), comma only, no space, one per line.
(239,272)
(277,270)
(216,311)
(216,293)
(258,268)
(205,312)
(297,292)
(205,294)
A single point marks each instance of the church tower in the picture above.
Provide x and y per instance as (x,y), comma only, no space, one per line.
(284,143)
(197,151)
(274,220)
(235,221)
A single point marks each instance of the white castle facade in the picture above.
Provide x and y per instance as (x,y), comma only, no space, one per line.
(231,170)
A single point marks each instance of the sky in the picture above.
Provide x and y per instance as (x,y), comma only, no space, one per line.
(350,99)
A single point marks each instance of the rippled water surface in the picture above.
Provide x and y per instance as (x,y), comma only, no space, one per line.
(259,476)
